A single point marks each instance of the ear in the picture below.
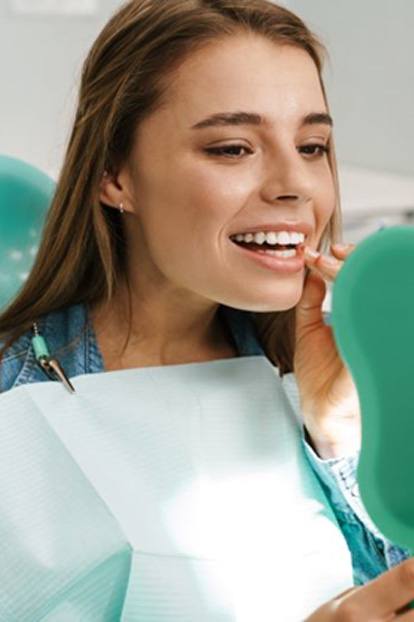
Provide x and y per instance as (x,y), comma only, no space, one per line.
(113,193)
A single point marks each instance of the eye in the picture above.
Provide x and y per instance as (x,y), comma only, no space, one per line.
(323,150)
(226,149)
(230,151)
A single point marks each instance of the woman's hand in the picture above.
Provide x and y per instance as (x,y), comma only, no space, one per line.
(328,396)
(381,600)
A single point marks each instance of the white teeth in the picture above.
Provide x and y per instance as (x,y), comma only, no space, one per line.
(259,238)
(297,238)
(291,252)
(272,237)
(283,237)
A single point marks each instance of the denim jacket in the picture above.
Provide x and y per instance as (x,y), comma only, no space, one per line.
(71,339)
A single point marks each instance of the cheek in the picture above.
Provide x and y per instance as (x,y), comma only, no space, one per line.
(325,209)
(210,179)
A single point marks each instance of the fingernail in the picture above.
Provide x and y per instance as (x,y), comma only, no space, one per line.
(330,260)
(309,252)
(341,247)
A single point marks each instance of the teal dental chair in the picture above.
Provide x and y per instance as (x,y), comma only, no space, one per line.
(25,196)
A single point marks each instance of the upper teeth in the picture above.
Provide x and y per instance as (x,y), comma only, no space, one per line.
(272,237)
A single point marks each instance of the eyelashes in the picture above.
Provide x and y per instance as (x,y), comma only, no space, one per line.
(324,149)
(224,150)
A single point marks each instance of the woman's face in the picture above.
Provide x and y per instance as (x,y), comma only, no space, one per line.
(189,189)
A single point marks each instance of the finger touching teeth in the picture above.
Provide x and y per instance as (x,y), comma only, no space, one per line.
(325,265)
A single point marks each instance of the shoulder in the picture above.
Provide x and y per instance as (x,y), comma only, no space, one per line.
(69,338)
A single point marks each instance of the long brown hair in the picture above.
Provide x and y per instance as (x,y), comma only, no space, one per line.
(124,79)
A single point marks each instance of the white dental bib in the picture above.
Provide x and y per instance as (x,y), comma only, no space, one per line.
(162,494)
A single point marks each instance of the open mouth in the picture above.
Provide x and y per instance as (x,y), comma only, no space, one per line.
(276,250)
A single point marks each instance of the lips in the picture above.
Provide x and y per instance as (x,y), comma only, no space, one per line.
(265,245)
(288,265)
(255,247)
(282,225)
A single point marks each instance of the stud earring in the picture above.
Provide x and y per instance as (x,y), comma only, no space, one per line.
(121,208)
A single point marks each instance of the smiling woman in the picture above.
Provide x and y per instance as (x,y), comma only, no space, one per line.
(211,193)
(257,155)
(200,172)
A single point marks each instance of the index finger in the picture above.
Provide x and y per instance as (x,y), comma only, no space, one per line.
(342,250)
(327,266)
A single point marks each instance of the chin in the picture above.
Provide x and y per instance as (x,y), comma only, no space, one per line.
(274,303)
(267,307)
(264,300)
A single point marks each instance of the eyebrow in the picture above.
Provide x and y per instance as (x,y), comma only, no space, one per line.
(252,118)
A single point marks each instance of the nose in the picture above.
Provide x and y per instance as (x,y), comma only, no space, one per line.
(286,197)
(288,179)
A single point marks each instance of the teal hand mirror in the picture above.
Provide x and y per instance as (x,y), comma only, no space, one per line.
(25,196)
(373,325)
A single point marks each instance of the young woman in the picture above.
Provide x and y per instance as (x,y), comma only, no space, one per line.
(199,121)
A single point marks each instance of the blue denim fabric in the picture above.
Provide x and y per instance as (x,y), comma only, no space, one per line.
(71,339)
(372,553)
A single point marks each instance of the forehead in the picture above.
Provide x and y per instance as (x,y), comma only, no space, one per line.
(279,81)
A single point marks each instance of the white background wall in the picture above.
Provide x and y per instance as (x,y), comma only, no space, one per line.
(40,64)
(370,82)
(371,78)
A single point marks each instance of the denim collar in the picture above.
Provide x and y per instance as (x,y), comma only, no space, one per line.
(71,338)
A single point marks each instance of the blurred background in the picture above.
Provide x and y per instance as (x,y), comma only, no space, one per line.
(369,77)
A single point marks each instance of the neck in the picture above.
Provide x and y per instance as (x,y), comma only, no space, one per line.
(159,336)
